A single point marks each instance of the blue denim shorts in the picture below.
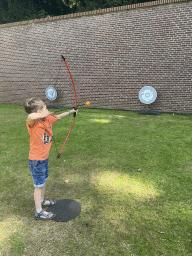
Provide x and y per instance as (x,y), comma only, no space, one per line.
(39,172)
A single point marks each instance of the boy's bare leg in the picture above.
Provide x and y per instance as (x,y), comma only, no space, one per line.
(38,193)
(43,193)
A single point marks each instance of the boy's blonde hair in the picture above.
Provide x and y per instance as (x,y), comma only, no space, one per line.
(33,104)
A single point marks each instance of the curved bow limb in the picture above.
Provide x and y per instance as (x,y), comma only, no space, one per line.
(74,114)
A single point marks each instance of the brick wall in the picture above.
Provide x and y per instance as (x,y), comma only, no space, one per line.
(112,54)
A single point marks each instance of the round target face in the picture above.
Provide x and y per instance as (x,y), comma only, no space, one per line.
(51,93)
(147,95)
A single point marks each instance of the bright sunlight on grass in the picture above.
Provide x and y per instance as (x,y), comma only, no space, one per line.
(131,173)
(125,185)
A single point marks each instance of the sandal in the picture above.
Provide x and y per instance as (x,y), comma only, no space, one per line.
(51,202)
(38,215)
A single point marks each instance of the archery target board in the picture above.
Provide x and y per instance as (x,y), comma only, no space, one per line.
(51,93)
(147,95)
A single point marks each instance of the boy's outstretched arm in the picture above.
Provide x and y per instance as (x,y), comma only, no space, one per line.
(66,113)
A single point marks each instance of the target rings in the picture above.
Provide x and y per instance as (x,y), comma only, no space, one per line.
(51,93)
(147,95)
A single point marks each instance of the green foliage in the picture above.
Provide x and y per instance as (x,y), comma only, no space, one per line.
(52,7)
(19,10)
(87,5)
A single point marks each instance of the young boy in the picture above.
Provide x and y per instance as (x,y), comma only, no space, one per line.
(39,124)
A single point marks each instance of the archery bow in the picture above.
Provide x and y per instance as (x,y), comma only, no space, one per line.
(75,108)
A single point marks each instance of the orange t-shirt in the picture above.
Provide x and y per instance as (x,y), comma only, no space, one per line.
(41,138)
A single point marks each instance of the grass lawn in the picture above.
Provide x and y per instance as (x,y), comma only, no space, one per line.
(132,175)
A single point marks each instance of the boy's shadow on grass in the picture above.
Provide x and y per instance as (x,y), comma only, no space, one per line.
(65,209)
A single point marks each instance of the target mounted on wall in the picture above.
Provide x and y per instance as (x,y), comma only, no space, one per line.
(148,95)
(51,93)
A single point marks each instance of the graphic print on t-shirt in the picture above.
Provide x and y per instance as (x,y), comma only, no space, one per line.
(46,138)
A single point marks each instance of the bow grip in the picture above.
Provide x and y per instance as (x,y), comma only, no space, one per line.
(74,114)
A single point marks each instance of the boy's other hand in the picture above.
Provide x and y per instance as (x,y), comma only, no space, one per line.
(40,114)
(45,112)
